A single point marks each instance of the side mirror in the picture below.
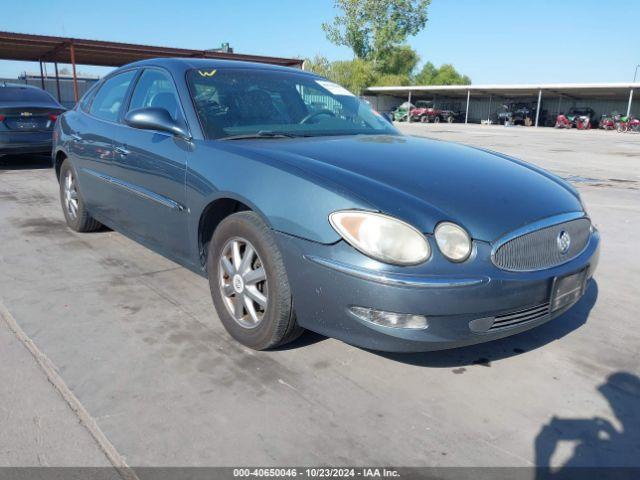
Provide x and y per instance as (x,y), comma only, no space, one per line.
(153,118)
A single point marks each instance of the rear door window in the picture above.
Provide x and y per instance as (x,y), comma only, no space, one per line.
(85,101)
(108,101)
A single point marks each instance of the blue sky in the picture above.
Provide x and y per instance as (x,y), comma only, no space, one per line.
(492,41)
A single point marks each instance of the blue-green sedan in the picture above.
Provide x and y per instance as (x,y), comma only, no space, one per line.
(306,209)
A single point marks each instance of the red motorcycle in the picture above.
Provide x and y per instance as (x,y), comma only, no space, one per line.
(563,122)
(629,124)
(577,117)
(609,122)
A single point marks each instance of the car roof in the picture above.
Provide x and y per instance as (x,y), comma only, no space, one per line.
(179,65)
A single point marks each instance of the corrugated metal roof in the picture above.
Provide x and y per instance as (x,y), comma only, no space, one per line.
(600,89)
(20,46)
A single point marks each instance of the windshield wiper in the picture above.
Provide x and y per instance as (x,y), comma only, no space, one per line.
(263,134)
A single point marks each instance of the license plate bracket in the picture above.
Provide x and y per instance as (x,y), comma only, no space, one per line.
(568,289)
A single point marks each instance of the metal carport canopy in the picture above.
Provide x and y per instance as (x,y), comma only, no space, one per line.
(584,90)
(43,48)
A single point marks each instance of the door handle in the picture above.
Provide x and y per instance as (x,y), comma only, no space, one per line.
(123,152)
(75,137)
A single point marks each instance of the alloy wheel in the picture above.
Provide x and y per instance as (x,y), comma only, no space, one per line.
(243,282)
(70,195)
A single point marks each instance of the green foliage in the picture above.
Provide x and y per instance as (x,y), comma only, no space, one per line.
(445,75)
(391,79)
(355,75)
(426,74)
(396,69)
(399,60)
(372,27)
(318,64)
(376,31)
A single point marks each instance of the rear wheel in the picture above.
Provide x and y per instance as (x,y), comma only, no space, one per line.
(436,119)
(424,119)
(249,284)
(73,206)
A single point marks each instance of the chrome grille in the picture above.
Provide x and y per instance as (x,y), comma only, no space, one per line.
(521,316)
(539,249)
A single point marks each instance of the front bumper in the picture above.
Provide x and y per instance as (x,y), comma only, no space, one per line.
(25,142)
(328,279)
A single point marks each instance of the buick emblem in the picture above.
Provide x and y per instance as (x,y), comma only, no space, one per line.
(564,241)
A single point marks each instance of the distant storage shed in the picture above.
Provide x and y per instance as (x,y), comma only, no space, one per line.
(482,102)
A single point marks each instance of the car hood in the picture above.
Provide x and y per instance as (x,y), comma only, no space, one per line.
(427,181)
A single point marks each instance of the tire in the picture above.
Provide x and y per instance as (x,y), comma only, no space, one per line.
(73,206)
(436,119)
(449,119)
(271,324)
(424,119)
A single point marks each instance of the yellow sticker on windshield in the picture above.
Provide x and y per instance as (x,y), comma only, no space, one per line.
(207,74)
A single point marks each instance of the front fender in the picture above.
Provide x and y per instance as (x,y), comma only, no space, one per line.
(289,199)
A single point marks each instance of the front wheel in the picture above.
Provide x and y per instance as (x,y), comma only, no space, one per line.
(436,119)
(73,206)
(249,284)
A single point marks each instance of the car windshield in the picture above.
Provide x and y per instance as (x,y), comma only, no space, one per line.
(23,94)
(238,102)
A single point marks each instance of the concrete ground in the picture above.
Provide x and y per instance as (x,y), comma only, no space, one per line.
(135,338)
(38,427)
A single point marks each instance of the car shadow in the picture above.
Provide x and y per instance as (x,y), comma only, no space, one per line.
(598,444)
(304,340)
(485,353)
(25,162)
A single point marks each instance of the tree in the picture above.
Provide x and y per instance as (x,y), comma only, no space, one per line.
(372,27)
(445,75)
(400,60)
(355,75)
(426,75)
(318,64)
(392,79)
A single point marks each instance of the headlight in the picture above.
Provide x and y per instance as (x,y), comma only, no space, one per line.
(453,241)
(381,237)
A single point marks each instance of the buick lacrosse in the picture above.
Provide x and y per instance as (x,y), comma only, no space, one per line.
(306,209)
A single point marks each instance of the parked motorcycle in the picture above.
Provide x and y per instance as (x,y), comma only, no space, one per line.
(562,121)
(629,124)
(609,121)
(580,118)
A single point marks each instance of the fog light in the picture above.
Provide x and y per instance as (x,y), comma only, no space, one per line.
(390,319)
